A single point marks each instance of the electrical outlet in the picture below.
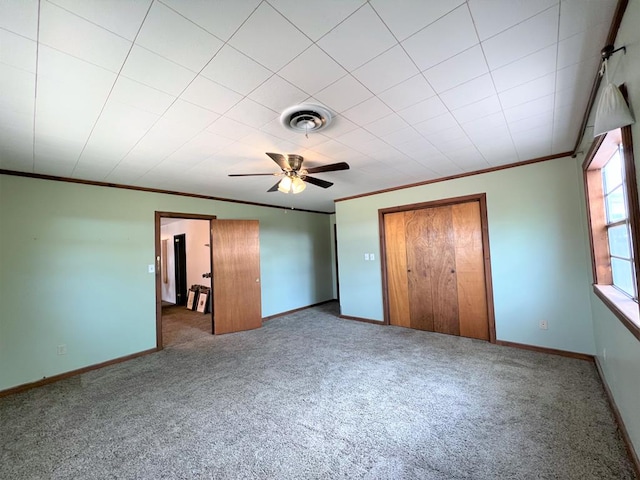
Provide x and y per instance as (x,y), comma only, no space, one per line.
(62,349)
(544,325)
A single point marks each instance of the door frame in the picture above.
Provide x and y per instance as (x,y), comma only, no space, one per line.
(481,198)
(158,248)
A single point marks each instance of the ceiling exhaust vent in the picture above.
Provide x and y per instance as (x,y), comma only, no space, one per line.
(306,118)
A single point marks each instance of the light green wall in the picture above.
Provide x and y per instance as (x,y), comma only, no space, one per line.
(622,364)
(538,257)
(73,270)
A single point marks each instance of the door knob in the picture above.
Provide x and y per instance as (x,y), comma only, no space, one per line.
(257,280)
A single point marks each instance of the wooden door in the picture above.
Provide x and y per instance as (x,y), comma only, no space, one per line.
(236,275)
(435,270)
(470,275)
(431,273)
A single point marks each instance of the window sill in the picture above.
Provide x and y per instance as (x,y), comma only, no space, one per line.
(622,307)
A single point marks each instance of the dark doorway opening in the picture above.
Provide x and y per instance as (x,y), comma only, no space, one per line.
(180,256)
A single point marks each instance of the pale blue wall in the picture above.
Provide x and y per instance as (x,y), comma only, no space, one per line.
(538,257)
(73,270)
(622,364)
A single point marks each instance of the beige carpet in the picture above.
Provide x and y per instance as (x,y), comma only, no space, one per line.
(312,396)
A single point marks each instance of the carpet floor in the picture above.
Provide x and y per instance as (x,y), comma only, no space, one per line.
(180,325)
(312,396)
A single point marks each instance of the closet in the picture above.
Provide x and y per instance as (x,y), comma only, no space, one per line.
(436,267)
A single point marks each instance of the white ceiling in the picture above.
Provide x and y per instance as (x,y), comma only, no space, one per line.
(177,94)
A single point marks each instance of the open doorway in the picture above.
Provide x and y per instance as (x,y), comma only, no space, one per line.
(183,279)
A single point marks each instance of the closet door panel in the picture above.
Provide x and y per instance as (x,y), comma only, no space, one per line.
(441,257)
(419,269)
(396,260)
(471,288)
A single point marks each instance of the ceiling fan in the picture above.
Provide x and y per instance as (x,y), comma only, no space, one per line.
(294,175)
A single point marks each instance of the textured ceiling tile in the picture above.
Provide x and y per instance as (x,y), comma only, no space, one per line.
(443,39)
(367,111)
(17,51)
(316,19)
(541,87)
(121,18)
(277,94)
(82,39)
(235,70)
(496,16)
(388,118)
(222,21)
(479,109)
(469,92)
(404,135)
(432,107)
(406,17)
(17,92)
(581,46)
(575,18)
(436,124)
(358,39)
(528,109)
(407,93)
(522,39)
(20,17)
(156,71)
(463,67)
(526,69)
(386,125)
(251,113)
(344,94)
(210,95)
(388,69)
(187,114)
(172,36)
(141,96)
(269,38)
(312,70)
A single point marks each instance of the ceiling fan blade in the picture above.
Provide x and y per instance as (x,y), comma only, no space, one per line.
(281,160)
(250,174)
(318,182)
(274,188)
(329,168)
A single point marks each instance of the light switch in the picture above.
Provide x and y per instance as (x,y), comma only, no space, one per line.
(366,257)
(152,268)
(372,257)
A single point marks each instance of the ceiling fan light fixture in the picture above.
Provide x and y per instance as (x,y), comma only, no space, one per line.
(285,185)
(297,185)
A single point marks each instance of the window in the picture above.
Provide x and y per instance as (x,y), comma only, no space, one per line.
(617,224)
(614,218)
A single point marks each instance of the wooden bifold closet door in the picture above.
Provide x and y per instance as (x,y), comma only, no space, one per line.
(435,270)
